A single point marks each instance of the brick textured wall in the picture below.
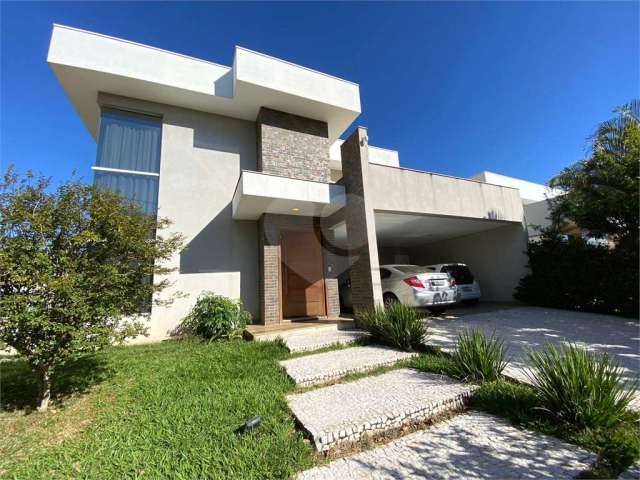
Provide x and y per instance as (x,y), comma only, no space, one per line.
(293,146)
(269,272)
(331,275)
(361,230)
(270,286)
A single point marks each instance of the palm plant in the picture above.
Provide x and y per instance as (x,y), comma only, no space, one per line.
(479,357)
(396,325)
(580,387)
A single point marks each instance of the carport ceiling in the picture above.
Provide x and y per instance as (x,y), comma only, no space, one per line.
(402,230)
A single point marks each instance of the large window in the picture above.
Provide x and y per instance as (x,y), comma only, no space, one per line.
(129,156)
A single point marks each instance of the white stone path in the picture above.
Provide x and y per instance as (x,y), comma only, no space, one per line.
(315,340)
(471,445)
(347,412)
(325,367)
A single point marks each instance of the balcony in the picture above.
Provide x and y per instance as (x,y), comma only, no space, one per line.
(258,193)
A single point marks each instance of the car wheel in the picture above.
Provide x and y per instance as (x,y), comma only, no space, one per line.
(389,299)
(471,303)
(436,311)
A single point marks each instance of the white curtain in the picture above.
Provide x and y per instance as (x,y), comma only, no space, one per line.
(142,189)
(129,142)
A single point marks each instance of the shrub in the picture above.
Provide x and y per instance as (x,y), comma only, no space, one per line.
(479,357)
(579,387)
(216,317)
(577,276)
(396,325)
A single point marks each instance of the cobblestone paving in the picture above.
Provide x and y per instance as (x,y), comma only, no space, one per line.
(324,367)
(525,328)
(471,445)
(633,473)
(347,412)
(315,340)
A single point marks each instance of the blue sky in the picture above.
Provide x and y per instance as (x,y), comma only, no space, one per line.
(456,87)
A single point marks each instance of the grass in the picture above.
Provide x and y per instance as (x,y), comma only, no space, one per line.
(173,410)
(156,411)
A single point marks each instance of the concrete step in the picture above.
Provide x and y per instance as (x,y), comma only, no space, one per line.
(348,412)
(315,340)
(471,445)
(284,330)
(326,367)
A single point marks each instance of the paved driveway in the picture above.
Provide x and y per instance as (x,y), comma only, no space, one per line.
(525,328)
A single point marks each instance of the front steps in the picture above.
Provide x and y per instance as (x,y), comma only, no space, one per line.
(329,366)
(303,342)
(349,412)
(309,335)
(454,443)
(471,445)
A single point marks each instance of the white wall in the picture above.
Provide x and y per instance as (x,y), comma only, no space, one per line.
(411,191)
(202,156)
(529,191)
(536,215)
(496,257)
(377,155)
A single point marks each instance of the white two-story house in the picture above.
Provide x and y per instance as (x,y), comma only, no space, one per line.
(249,163)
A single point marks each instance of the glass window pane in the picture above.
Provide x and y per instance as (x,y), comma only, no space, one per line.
(129,142)
(139,188)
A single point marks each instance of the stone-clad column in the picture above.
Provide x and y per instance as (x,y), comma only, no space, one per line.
(269,285)
(330,275)
(361,227)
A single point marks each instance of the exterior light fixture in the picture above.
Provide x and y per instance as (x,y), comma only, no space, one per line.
(295,209)
(250,424)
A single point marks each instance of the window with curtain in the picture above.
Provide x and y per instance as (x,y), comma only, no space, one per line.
(128,158)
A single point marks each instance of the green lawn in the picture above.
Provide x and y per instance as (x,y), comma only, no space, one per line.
(173,409)
(167,410)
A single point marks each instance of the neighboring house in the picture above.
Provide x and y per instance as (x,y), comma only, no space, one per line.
(249,163)
(534,199)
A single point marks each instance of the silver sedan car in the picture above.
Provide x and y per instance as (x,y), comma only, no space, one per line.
(416,286)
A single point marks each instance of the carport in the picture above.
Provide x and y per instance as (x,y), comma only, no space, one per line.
(493,249)
(399,215)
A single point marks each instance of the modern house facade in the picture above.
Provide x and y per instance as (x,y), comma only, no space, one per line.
(249,163)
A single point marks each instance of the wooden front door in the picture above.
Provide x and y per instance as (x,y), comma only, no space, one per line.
(302,274)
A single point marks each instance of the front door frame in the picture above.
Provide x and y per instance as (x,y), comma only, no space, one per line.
(315,228)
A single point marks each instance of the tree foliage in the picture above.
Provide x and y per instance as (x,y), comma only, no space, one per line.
(599,196)
(76,269)
(601,192)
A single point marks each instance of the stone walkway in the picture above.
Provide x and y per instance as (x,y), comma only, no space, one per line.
(316,340)
(633,473)
(325,367)
(347,412)
(472,445)
(526,328)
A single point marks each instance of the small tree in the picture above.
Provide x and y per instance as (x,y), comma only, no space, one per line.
(76,270)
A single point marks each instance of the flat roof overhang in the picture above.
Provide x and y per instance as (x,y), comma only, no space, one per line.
(258,193)
(87,63)
(408,230)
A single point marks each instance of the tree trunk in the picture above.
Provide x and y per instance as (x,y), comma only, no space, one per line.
(44,387)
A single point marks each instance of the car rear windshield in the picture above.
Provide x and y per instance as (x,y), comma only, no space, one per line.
(461,273)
